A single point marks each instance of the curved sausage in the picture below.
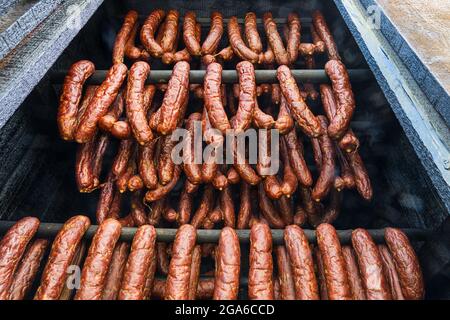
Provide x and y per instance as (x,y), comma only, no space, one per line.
(138,265)
(177,283)
(215,34)
(175,100)
(162,190)
(284,122)
(62,253)
(245,207)
(309,123)
(260,282)
(206,203)
(287,289)
(213,100)
(336,276)
(251,33)
(107,122)
(354,277)
(168,41)
(290,183)
(70,98)
(135,102)
(268,210)
(131,51)
(123,35)
(227,205)
(238,44)
(286,209)
(185,205)
(95,267)
(247,96)
(100,103)
(391,273)
(296,159)
(370,266)
(192,45)
(195,272)
(146,165)
(192,169)
(228,264)
(148,33)
(274,40)
(324,33)
(299,251)
(166,166)
(321,275)
(293,39)
(115,271)
(27,270)
(406,263)
(84,171)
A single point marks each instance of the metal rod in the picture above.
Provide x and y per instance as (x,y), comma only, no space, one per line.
(229,76)
(49,230)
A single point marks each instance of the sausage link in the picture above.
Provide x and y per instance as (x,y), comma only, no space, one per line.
(62,253)
(107,122)
(227,205)
(27,270)
(362,179)
(228,263)
(166,166)
(162,258)
(168,41)
(336,276)
(162,190)
(135,102)
(146,165)
(177,283)
(268,210)
(131,51)
(238,44)
(98,155)
(276,93)
(213,101)
(287,289)
(285,207)
(290,183)
(215,34)
(296,159)
(327,168)
(100,103)
(346,180)
(105,199)
(70,98)
(148,33)
(192,45)
(309,123)
(192,169)
(251,33)
(124,178)
(206,203)
(354,276)
(272,187)
(138,265)
(406,264)
(138,209)
(284,122)
(321,275)
(324,33)
(331,212)
(245,207)
(84,174)
(247,96)
(274,40)
(124,153)
(370,266)
(124,33)
(195,272)
(293,39)
(301,216)
(115,271)
(175,100)
(300,255)
(260,282)
(95,267)
(261,119)
(391,273)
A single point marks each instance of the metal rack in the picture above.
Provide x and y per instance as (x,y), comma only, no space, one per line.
(49,230)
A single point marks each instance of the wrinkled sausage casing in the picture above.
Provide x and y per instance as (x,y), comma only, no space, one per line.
(137,269)
(170,31)
(192,45)
(324,33)
(354,275)
(148,33)
(12,247)
(226,285)
(123,36)
(95,267)
(62,253)
(115,271)
(100,103)
(247,96)
(177,283)
(336,276)
(260,282)
(406,263)
(238,44)
(274,40)
(299,251)
(251,33)
(287,289)
(370,266)
(390,272)
(215,34)
(71,96)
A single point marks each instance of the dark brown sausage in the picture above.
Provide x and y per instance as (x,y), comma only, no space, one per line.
(166,166)
(175,100)
(115,271)
(268,210)
(260,282)
(177,283)
(70,97)
(206,203)
(370,266)
(390,273)
(61,255)
(296,159)
(338,287)
(354,277)
(162,190)
(27,270)
(138,265)
(272,187)
(213,101)
(362,180)
(293,39)
(131,51)
(146,165)
(227,205)
(148,33)
(123,35)
(95,267)
(238,44)
(251,33)
(84,171)
(195,272)
(286,209)
(168,41)
(346,179)
(321,275)
(290,182)
(287,289)
(124,153)
(191,165)
(324,33)
(247,96)
(12,247)
(299,251)
(309,123)
(189,23)
(245,207)
(185,205)
(215,34)
(274,40)
(284,122)
(107,122)
(162,257)
(228,263)
(406,263)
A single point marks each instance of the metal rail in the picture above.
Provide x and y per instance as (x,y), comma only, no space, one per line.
(49,230)
(229,76)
